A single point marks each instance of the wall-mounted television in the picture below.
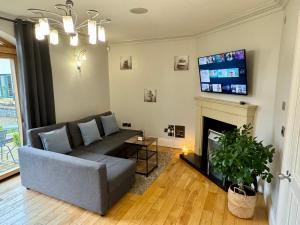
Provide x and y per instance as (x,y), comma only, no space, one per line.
(224,73)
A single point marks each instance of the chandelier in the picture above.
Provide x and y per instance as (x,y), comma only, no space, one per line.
(47,23)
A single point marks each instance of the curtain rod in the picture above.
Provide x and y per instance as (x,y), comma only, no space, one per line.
(6,19)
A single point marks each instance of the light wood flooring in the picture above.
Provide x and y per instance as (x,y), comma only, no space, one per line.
(180,195)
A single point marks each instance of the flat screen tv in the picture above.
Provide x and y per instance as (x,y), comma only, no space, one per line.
(224,73)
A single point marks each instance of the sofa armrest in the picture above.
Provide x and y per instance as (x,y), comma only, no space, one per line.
(74,180)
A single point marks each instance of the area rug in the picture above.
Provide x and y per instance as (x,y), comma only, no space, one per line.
(142,183)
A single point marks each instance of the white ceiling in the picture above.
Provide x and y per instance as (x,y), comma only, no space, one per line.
(166,18)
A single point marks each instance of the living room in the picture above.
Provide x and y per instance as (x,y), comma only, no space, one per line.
(143,86)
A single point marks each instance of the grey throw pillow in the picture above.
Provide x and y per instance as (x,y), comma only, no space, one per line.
(89,132)
(56,140)
(110,124)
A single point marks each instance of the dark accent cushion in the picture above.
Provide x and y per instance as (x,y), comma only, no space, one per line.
(111,145)
(34,139)
(75,131)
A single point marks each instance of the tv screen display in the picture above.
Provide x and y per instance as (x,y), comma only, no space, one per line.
(224,73)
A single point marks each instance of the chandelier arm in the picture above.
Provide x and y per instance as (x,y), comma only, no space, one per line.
(93,13)
(60,7)
(56,21)
(75,20)
(84,23)
(104,21)
(42,11)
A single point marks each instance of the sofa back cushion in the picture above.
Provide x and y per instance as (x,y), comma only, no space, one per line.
(110,124)
(89,132)
(34,139)
(75,131)
(56,140)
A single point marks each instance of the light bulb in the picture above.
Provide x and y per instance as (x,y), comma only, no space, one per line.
(38,33)
(93,39)
(54,37)
(92,27)
(68,24)
(101,34)
(44,26)
(74,40)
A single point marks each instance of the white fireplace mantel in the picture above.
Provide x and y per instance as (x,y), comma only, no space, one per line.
(225,111)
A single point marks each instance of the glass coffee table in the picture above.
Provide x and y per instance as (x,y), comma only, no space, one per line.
(144,154)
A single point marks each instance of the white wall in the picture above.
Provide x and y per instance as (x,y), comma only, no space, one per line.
(79,94)
(261,39)
(7,31)
(153,68)
(282,94)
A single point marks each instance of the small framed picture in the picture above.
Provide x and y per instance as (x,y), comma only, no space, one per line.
(126,63)
(150,95)
(181,63)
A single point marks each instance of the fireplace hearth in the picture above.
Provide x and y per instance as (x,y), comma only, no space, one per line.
(212,130)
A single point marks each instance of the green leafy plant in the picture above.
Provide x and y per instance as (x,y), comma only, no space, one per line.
(16,139)
(241,158)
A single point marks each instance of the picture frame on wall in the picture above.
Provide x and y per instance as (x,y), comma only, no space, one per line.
(181,63)
(150,95)
(126,63)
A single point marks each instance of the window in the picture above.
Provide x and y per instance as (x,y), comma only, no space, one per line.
(10,127)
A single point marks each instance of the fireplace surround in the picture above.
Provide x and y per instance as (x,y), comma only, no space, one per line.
(219,116)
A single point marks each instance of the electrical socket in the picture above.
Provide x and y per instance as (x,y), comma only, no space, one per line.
(126,124)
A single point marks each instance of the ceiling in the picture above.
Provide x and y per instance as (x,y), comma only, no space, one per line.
(166,18)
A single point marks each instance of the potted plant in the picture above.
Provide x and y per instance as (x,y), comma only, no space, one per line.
(241,158)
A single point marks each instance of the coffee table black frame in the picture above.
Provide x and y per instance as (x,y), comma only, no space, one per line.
(144,153)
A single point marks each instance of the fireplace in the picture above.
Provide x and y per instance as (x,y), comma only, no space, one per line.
(213,118)
(211,127)
(212,146)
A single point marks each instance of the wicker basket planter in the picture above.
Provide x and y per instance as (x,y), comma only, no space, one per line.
(240,203)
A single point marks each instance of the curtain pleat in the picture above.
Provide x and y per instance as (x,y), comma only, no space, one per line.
(35,78)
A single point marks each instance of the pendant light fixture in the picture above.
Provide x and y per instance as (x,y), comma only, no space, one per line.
(54,37)
(74,40)
(101,34)
(67,21)
(38,32)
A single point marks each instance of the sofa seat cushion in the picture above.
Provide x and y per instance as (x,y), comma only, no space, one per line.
(118,169)
(110,145)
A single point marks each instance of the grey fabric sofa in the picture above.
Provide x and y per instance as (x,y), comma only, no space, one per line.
(93,177)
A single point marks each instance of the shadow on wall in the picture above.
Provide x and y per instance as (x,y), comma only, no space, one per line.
(250,66)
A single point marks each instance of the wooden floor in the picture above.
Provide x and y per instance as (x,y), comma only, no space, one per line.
(179,196)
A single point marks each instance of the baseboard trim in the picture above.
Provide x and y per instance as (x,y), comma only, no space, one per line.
(171,142)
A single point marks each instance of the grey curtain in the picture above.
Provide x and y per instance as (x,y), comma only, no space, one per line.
(35,82)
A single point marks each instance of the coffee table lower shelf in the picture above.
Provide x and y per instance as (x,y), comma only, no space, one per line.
(143,159)
(142,170)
